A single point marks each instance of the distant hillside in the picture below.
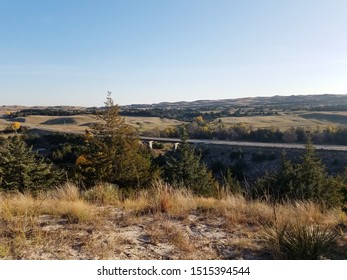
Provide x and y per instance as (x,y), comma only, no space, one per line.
(305,101)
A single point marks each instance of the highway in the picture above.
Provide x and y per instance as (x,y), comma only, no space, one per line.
(247,144)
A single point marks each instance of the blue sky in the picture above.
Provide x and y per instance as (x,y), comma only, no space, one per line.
(71,52)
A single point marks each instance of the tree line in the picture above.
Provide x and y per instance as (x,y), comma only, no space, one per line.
(200,128)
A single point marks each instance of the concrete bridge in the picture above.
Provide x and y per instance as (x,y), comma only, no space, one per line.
(244,143)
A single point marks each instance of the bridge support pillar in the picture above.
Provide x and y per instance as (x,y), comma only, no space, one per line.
(150,144)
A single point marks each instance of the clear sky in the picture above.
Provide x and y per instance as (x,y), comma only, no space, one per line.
(71,52)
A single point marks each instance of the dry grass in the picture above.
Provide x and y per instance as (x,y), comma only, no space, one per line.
(79,123)
(160,222)
(136,204)
(165,199)
(18,224)
(59,202)
(286,120)
(76,123)
(161,198)
(236,209)
(2,126)
(20,216)
(151,123)
(309,213)
(103,194)
(165,230)
(19,205)
(75,212)
(66,192)
(283,121)
(65,202)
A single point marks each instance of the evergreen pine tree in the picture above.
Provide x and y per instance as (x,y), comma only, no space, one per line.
(307,180)
(113,154)
(285,180)
(23,170)
(343,190)
(183,167)
(311,181)
(231,183)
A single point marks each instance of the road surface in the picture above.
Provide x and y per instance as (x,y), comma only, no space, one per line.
(247,144)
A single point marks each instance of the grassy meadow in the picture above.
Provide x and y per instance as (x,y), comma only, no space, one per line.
(282,121)
(80,123)
(287,120)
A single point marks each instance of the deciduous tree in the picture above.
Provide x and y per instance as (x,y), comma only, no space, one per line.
(15,126)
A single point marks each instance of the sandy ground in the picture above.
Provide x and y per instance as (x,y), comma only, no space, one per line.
(134,237)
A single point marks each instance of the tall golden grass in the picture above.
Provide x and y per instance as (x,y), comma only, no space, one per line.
(20,214)
(63,201)
(163,198)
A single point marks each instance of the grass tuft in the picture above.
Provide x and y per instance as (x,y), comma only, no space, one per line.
(177,223)
(165,199)
(67,192)
(301,241)
(103,194)
(76,212)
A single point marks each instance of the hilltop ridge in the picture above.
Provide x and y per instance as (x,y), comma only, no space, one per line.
(292,100)
(308,100)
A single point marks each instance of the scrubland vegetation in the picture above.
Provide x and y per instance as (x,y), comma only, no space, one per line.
(105,194)
(163,222)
